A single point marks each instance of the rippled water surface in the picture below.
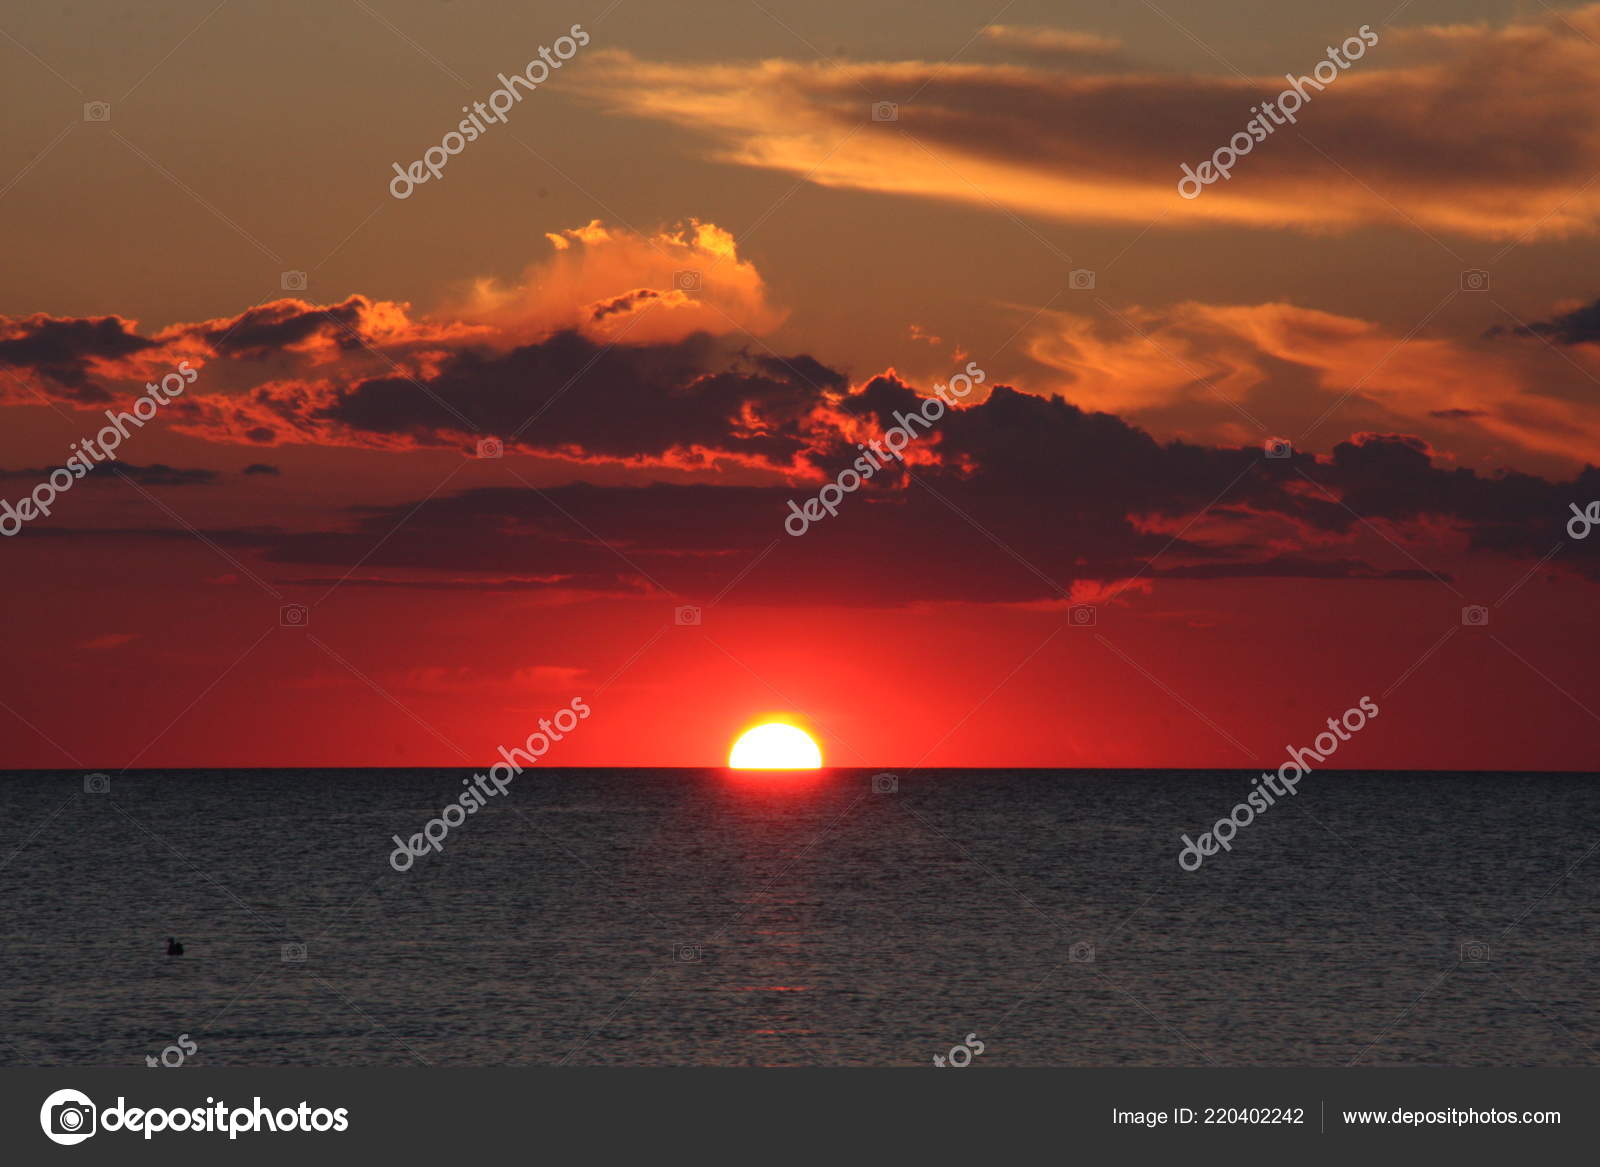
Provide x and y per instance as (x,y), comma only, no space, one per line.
(701,917)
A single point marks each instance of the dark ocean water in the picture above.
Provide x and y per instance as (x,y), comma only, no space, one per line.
(693,917)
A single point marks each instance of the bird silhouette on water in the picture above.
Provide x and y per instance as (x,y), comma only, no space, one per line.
(173,947)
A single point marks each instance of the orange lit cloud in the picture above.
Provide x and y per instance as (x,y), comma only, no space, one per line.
(639,316)
(1221,368)
(1474,129)
(605,283)
(610,283)
(1057,43)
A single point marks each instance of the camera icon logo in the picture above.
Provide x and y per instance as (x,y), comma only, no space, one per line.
(294,281)
(885,111)
(97,783)
(68,1117)
(491,448)
(294,953)
(687,616)
(885,784)
(1475,616)
(687,280)
(1475,280)
(1475,952)
(97,111)
(686,953)
(1081,280)
(1081,952)
(1083,615)
(1278,448)
(294,615)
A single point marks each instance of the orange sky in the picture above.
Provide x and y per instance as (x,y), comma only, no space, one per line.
(692,276)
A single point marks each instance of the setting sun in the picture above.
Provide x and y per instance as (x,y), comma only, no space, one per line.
(775,746)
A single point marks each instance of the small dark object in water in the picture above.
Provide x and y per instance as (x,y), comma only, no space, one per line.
(173,947)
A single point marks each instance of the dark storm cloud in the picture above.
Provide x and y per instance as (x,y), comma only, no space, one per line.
(623,303)
(1292,567)
(570,395)
(1393,477)
(62,351)
(1033,496)
(155,474)
(802,369)
(1018,499)
(273,327)
(1580,326)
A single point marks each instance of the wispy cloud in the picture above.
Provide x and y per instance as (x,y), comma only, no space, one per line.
(1478,129)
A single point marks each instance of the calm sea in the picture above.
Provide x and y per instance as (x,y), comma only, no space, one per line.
(696,917)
